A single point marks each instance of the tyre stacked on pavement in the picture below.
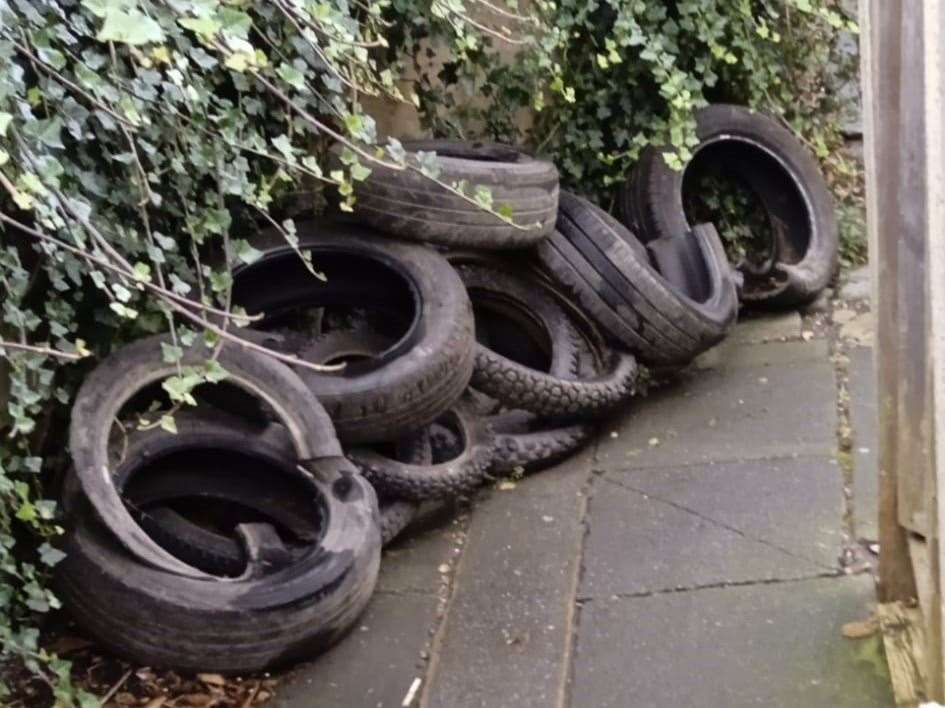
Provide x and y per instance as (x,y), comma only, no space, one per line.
(425,347)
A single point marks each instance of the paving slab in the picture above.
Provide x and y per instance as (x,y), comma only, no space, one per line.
(761,401)
(666,528)
(857,284)
(865,423)
(376,663)
(766,328)
(773,645)
(506,639)
(411,562)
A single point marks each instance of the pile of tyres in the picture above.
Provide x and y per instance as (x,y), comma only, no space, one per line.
(456,348)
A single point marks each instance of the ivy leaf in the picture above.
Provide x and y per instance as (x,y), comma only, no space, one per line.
(291,76)
(180,388)
(168,424)
(204,26)
(48,132)
(428,164)
(283,145)
(170,353)
(97,7)
(5,119)
(359,172)
(50,556)
(214,371)
(129,27)
(245,252)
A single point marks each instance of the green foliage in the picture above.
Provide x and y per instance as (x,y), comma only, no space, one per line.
(613,76)
(142,142)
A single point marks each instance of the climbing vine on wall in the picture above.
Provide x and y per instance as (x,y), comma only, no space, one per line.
(632,72)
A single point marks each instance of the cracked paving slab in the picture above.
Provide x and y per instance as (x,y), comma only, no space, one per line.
(734,522)
(377,661)
(776,645)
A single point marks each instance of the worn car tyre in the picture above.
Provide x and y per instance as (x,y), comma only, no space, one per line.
(616,279)
(453,477)
(131,370)
(407,204)
(266,617)
(428,365)
(778,168)
(252,485)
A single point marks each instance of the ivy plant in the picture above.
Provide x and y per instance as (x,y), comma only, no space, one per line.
(631,73)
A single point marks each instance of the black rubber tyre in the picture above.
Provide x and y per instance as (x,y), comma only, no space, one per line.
(252,486)
(452,478)
(429,364)
(553,392)
(773,163)
(523,306)
(613,276)
(407,204)
(133,368)
(525,444)
(233,626)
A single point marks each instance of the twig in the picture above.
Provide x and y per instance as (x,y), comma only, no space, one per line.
(505,13)
(102,263)
(41,350)
(114,689)
(252,696)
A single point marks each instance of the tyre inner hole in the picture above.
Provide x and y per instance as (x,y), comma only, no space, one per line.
(447,438)
(210,492)
(148,406)
(357,287)
(509,329)
(754,203)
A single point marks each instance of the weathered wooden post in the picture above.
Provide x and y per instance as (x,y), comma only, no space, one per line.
(903,62)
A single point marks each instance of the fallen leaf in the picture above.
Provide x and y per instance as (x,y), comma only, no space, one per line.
(69,644)
(444,568)
(156,702)
(506,484)
(807,336)
(212,679)
(861,629)
(653,442)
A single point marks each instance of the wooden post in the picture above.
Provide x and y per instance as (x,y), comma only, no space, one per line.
(904,87)
(934,94)
(880,35)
